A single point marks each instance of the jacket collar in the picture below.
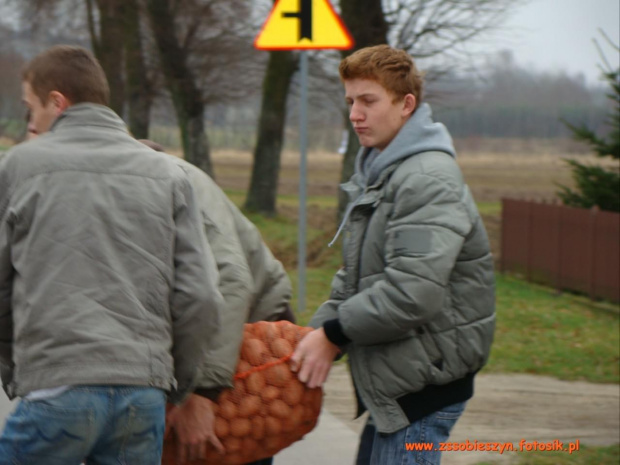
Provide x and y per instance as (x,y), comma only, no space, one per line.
(88,114)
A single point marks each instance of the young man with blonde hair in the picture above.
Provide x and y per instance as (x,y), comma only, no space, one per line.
(413,305)
(109,295)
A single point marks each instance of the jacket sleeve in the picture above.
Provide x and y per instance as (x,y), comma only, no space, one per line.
(235,286)
(329,309)
(196,302)
(6,280)
(424,236)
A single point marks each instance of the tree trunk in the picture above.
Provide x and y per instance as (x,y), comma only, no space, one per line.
(195,141)
(366,22)
(108,47)
(139,86)
(186,95)
(264,184)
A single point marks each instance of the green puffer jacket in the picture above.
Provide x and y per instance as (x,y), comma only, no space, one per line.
(416,295)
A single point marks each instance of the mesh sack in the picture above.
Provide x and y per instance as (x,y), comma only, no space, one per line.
(269,408)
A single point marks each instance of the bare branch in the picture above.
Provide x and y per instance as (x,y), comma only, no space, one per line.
(95,39)
(430,28)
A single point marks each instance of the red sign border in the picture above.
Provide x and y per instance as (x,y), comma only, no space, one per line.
(336,16)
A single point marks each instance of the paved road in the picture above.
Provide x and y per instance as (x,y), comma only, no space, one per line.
(506,408)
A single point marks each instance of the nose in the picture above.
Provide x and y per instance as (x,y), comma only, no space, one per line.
(355,114)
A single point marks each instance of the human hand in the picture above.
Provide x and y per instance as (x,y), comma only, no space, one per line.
(193,423)
(313,358)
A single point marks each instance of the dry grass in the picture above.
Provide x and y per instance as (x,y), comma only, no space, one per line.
(494,169)
(532,174)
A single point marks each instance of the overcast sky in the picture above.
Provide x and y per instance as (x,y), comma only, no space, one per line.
(553,35)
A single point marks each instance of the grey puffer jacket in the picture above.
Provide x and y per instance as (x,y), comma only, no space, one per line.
(105,274)
(253,282)
(415,299)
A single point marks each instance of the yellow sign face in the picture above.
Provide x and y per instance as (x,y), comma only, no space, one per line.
(303,24)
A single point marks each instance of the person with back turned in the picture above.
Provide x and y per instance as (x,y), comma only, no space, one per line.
(109,297)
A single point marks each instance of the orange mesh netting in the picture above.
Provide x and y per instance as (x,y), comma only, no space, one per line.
(269,408)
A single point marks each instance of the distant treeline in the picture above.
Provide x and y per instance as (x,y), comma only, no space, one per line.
(505,100)
(518,121)
(514,102)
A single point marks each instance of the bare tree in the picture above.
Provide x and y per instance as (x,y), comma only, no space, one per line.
(263,189)
(107,42)
(182,84)
(198,41)
(367,29)
(11,64)
(104,22)
(140,85)
(440,33)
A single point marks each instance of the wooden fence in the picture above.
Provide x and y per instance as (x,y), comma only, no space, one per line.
(567,248)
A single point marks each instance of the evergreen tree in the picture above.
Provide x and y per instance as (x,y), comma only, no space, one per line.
(595,185)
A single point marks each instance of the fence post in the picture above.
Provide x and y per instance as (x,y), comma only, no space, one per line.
(558,242)
(502,263)
(591,248)
(528,242)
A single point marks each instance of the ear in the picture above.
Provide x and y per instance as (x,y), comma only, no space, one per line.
(409,104)
(59,102)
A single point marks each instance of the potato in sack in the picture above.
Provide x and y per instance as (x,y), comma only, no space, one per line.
(269,408)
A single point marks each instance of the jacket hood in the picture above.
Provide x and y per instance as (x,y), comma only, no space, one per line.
(419,134)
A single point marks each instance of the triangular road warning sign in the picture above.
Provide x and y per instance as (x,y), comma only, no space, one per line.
(303,24)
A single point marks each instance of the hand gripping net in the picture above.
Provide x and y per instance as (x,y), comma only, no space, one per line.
(269,408)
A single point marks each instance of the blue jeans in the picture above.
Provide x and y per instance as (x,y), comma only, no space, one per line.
(103,425)
(390,449)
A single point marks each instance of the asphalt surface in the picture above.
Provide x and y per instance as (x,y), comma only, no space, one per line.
(505,409)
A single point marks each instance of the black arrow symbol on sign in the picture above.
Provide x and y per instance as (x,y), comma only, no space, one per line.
(305,19)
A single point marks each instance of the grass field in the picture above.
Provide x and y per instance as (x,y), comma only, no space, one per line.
(539,331)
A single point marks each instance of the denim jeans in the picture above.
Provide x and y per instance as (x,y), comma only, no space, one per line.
(267,461)
(103,425)
(390,449)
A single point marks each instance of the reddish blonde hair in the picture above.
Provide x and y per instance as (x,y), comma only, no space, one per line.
(392,68)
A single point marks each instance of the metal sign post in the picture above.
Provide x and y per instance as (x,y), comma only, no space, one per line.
(303,25)
(303,147)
